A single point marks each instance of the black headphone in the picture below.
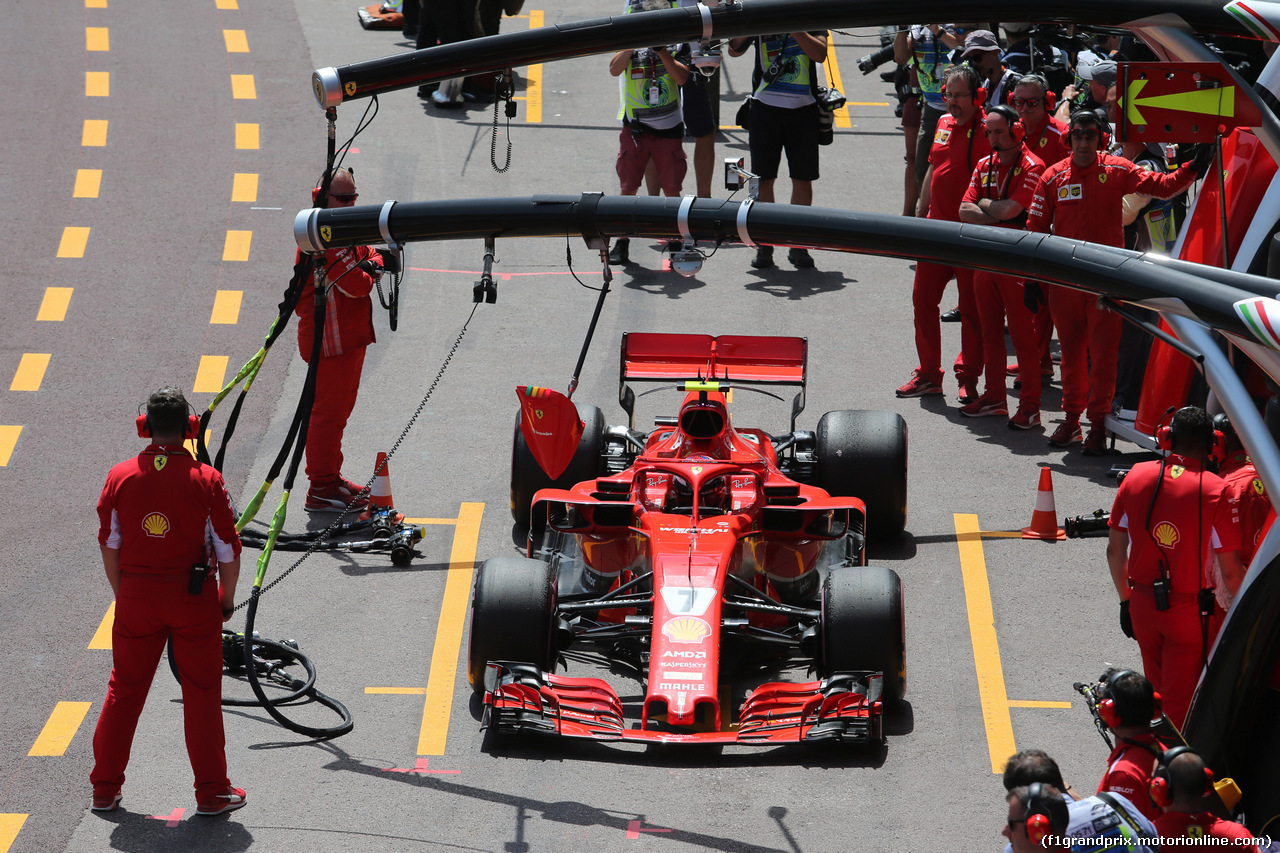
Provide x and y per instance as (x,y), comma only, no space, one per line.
(1050,99)
(1098,118)
(1038,824)
(1214,443)
(1161,785)
(1016,128)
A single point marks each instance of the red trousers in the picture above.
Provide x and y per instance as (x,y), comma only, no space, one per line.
(1000,296)
(337,383)
(1090,341)
(1044,331)
(149,609)
(1172,647)
(926,297)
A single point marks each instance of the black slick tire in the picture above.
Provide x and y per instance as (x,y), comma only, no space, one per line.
(527,477)
(863,625)
(863,454)
(511,616)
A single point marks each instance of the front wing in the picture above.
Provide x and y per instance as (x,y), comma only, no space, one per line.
(845,707)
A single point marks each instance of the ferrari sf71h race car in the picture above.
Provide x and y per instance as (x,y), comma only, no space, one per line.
(694,557)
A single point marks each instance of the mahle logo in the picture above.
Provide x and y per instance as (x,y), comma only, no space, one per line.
(156,525)
(1166,535)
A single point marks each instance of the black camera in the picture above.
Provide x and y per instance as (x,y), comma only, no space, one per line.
(1084,526)
(872,61)
(776,69)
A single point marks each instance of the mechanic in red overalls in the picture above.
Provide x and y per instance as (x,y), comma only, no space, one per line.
(1000,191)
(1166,518)
(958,145)
(1184,785)
(158,514)
(348,328)
(1081,197)
(1248,494)
(1047,142)
(1131,709)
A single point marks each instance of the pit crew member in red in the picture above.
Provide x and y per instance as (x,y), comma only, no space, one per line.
(1166,518)
(999,193)
(350,273)
(158,514)
(1184,785)
(1132,710)
(958,145)
(1081,197)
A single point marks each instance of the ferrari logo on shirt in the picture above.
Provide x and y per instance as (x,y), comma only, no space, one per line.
(1176,471)
(1043,142)
(160,462)
(1258,488)
(537,413)
(1166,535)
(1102,177)
(1070,192)
(942,136)
(156,525)
(1195,832)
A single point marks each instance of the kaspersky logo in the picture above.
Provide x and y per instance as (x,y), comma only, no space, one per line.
(156,525)
(686,629)
(1166,535)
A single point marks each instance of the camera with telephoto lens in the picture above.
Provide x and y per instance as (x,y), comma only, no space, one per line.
(1084,526)
(872,61)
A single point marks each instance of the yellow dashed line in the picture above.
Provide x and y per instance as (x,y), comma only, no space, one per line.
(247,137)
(95,133)
(226,307)
(97,84)
(102,636)
(8,441)
(97,38)
(866,103)
(53,307)
(74,239)
(1033,703)
(88,183)
(237,41)
(533,78)
(226,5)
(237,246)
(244,186)
(211,374)
(243,88)
(30,371)
(11,824)
(62,726)
(453,614)
(95,4)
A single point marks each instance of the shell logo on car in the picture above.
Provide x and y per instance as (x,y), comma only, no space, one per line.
(156,525)
(686,629)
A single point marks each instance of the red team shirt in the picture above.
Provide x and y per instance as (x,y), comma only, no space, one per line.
(1179,825)
(348,321)
(1129,773)
(1176,522)
(955,152)
(1086,204)
(1016,181)
(161,507)
(1049,145)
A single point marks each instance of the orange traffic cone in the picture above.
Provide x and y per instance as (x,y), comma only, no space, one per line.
(380,493)
(1044,520)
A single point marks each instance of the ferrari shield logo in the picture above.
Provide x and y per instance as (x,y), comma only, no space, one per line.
(350,88)
(1258,488)
(160,462)
(537,413)
(1102,177)
(1176,471)
(1043,142)
(326,233)
(697,469)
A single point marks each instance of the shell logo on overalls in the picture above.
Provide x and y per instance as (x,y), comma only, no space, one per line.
(156,525)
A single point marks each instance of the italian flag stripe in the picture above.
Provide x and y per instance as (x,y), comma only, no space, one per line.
(1254,21)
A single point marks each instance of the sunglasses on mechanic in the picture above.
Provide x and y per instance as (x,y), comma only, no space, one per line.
(1026,102)
(344,198)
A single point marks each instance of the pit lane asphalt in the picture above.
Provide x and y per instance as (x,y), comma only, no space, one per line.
(139,318)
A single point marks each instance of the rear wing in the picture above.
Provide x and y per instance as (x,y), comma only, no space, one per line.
(738,359)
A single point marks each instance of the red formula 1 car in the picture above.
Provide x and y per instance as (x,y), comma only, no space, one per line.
(696,559)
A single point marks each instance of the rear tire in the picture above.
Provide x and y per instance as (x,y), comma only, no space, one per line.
(863,454)
(863,625)
(527,477)
(511,616)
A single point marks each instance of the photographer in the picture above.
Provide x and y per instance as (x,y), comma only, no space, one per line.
(1167,517)
(784,116)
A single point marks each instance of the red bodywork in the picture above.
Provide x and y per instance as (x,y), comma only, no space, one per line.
(706,509)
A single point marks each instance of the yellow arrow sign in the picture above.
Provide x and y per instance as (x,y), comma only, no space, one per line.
(1213,102)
